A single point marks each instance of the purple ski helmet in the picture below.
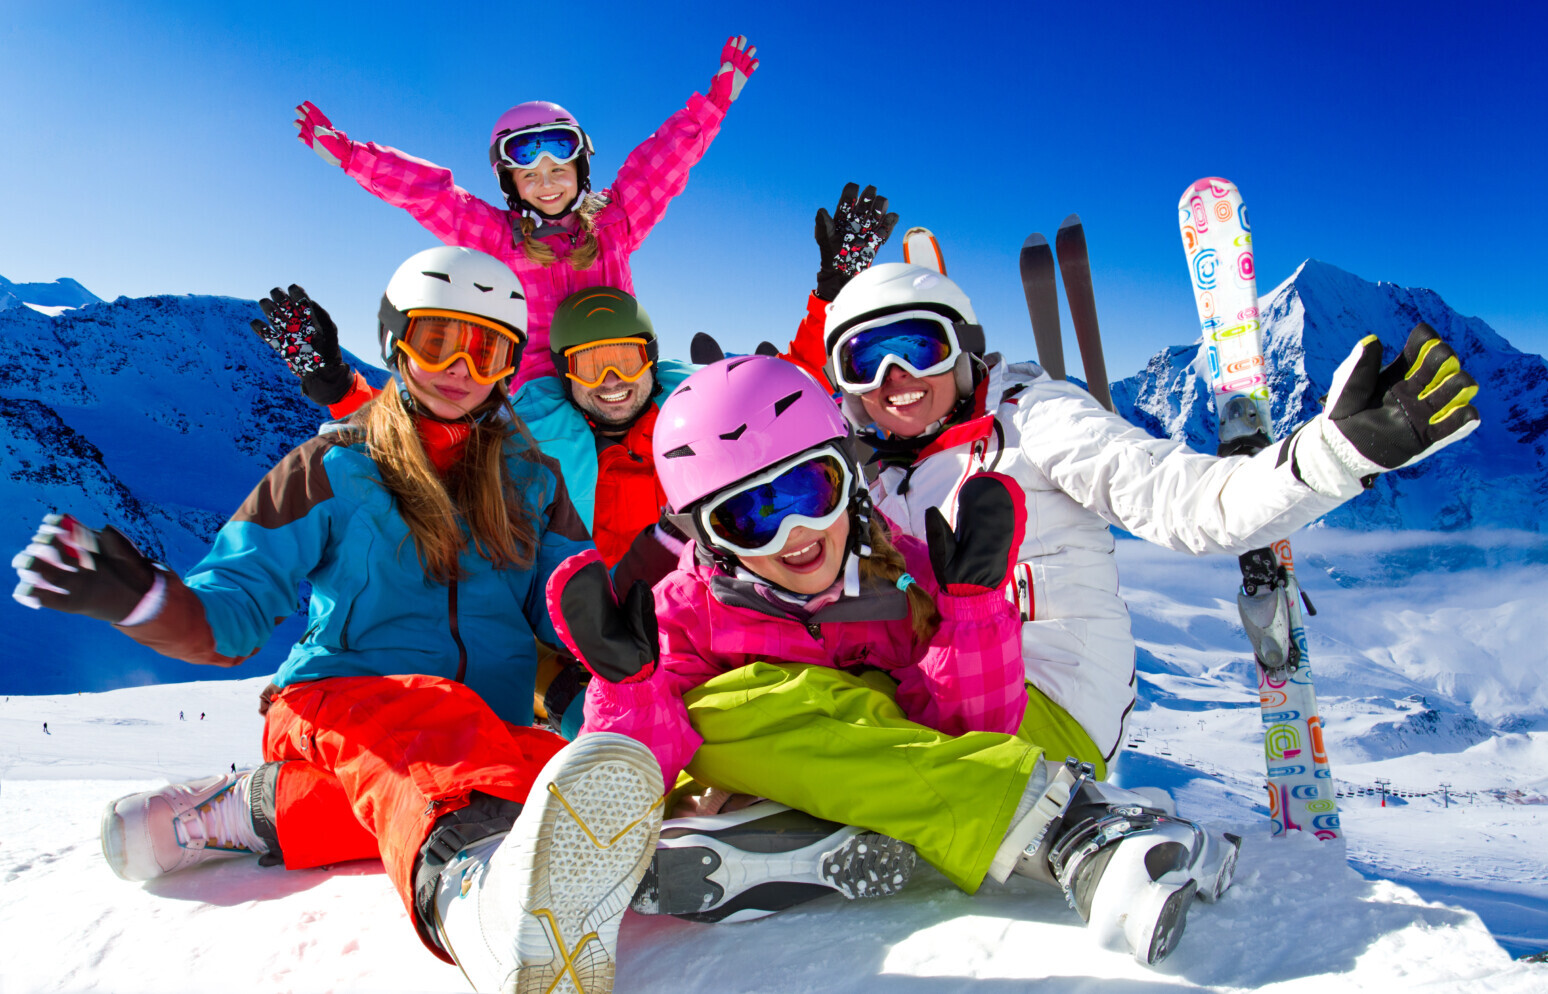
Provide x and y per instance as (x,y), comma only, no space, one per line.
(524,117)
(733,419)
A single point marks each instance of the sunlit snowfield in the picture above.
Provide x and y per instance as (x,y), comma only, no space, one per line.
(1421,654)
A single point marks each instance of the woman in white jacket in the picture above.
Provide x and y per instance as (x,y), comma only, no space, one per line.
(905,350)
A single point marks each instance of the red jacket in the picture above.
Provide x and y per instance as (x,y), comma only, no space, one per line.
(629,497)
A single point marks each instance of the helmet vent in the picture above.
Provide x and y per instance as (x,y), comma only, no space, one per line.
(438,276)
(517,296)
(678,453)
(482,287)
(784,402)
(732,436)
(738,361)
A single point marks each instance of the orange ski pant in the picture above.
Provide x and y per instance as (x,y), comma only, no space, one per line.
(371,762)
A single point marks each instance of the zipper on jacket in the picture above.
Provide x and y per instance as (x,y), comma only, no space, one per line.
(814,630)
(451,612)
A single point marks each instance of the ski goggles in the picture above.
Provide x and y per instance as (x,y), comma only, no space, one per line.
(922,342)
(756,517)
(436,339)
(522,149)
(588,364)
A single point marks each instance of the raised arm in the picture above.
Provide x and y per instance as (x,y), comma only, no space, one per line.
(657,169)
(422,188)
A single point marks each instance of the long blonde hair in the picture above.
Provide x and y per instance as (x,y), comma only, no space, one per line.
(477,491)
(586,249)
(886,563)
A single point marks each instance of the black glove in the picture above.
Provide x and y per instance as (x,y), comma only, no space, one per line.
(991,521)
(307,339)
(617,642)
(69,567)
(849,239)
(1380,419)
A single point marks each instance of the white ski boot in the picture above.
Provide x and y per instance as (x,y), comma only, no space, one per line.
(764,858)
(537,910)
(1126,863)
(157,832)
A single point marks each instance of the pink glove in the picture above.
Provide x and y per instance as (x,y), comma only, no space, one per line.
(319,134)
(735,66)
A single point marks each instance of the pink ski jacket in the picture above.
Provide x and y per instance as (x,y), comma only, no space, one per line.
(654,173)
(967,678)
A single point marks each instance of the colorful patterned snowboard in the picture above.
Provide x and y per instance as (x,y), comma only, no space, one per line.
(1217,239)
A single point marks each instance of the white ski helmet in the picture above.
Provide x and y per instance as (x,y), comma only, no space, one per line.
(451,279)
(890,287)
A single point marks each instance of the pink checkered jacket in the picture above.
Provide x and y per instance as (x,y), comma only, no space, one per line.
(967,678)
(654,173)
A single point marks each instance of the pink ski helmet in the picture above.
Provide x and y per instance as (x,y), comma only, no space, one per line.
(535,114)
(735,418)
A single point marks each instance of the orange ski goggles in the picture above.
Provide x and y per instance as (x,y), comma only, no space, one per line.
(436,339)
(588,364)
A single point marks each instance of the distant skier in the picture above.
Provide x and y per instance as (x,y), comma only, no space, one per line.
(201,715)
(45,729)
(180,716)
(555,234)
(434,769)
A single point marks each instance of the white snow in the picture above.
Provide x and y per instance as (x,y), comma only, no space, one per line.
(1422,898)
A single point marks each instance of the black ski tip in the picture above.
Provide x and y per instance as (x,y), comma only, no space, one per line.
(1073,221)
(704,350)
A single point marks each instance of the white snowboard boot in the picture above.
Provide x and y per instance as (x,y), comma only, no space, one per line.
(538,910)
(147,835)
(766,857)
(1126,863)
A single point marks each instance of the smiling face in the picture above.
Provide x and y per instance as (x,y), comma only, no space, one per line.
(548,187)
(449,394)
(906,405)
(809,563)
(614,401)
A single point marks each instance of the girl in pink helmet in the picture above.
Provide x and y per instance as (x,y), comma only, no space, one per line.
(790,566)
(807,653)
(555,233)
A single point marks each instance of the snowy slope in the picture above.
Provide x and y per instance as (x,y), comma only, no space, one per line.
(157,414)
(1438,896)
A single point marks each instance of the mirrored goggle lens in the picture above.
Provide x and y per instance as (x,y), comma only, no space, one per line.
(751,518)
(435,342)
(524,148)
(920,342)
(588,364)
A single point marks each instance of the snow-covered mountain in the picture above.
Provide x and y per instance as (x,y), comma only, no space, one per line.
(45,298)
(1497,478)
(158,414)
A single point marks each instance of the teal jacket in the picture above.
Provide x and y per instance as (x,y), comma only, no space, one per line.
(563,434)
(322,517)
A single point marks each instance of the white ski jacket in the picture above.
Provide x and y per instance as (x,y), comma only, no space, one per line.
(1085,468)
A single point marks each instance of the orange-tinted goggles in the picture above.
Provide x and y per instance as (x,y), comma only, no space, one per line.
(436,339)
(588,364)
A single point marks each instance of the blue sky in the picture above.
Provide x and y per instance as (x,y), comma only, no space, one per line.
(149,149)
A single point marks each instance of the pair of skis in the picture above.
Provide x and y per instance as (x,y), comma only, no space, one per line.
(1037,282)
(1217,239)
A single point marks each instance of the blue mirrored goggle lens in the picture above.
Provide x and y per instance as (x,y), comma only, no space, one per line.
(525,147)
(751,519)
(920,342)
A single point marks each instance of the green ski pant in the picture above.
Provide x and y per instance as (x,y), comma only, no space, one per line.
(835,744)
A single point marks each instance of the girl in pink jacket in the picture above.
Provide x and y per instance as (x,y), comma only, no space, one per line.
(555,234)
(895,664)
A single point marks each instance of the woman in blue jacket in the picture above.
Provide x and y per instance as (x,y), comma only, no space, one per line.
(427,526)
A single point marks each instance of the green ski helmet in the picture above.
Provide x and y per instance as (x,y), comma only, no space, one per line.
(598,314)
